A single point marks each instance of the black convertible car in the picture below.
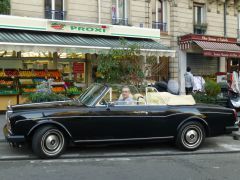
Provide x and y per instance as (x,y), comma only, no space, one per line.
(105,113)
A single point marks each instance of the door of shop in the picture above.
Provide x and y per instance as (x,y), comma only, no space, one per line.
(202,65)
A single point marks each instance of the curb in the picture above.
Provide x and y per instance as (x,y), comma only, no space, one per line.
(77,156)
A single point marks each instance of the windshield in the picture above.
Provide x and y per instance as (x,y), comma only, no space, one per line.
(91,94)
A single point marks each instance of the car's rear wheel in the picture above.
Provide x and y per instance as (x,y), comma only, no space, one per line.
(48,142)
(190,136)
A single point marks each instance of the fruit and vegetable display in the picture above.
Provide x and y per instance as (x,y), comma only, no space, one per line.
(29,90)
(73,91)
(26,81)
(15,81)
(38,81)
(58,89)
(6,82)
(11,72)
(8,91)
(2,73)
(26,73)
(54,74)
(40,73)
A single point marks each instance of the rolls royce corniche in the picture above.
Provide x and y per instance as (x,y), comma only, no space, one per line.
(113,113)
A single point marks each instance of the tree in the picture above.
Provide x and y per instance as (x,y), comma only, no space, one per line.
(4,6)
(121,65)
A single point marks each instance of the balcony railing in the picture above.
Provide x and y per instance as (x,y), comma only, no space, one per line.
(160,25)
(120,21)
(200,28)
(58,15)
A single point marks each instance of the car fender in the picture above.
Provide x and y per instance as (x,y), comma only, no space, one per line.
(198,119)
(48,122)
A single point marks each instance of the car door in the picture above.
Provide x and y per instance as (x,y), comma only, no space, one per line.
(119,121)
(163,119)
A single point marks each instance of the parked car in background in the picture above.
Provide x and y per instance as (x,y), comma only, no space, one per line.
(97,116)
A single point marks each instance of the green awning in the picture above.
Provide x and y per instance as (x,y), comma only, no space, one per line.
(21,40)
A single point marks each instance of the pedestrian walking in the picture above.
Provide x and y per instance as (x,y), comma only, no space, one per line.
(189,81)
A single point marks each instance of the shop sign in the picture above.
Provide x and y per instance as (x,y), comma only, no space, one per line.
(221,54)
(197,37)
(79,71)
(78,28)
(35,24)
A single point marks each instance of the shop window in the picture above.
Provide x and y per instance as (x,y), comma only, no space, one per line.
(54,9)
(120,11)
(5,7)
(199,14)
(159,15)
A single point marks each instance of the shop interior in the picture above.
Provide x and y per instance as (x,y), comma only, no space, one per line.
(22,72)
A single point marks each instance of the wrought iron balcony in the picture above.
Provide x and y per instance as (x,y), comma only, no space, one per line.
(58,15)
(160,25)
(120,21)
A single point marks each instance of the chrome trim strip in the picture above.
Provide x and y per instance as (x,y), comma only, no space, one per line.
(122,116)
(215,113)
(127,139)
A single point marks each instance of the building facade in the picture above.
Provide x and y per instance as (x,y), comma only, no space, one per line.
(174,19)
(60,40)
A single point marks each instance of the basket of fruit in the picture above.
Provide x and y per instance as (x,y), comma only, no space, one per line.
(26,73)
(40,73)
(28,90)
(53,74)
(2,73)
(71,91)
(58,89)
(11,72)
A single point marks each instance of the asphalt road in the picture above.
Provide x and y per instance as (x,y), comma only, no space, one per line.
(187,167)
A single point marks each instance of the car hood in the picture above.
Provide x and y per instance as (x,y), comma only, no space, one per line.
(45,105)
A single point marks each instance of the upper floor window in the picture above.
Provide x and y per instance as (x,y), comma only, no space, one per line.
(159,18)
(199,15)
(120,12)
(54,9)
(5,7)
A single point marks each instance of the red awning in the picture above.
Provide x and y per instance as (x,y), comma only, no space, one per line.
(217,49)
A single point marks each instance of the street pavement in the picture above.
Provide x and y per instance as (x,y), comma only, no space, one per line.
(190,167)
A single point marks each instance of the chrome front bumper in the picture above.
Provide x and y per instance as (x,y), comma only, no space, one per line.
(12,138)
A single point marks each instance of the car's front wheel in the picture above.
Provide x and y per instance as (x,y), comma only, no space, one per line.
(48,142)
(190,136)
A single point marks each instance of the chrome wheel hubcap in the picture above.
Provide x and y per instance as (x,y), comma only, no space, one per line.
(52,142)
(192,136)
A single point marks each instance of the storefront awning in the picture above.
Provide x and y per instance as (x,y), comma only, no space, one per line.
(213,46)
(216,49)
(20,40)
